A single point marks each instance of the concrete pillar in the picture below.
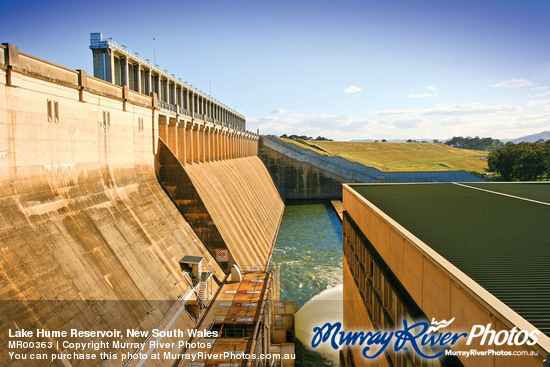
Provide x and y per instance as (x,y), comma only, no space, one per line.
(231,145)
(212,144)
(148,82)
(204,144)
(223,136)
(110,66)
(139,78)
(186,104)
(132,81)
(196,143)
(158,86)
(99,63)
(220,144)
(241,146)
(166,86)
(181,141)
(125,72)
(215,144)
(200,130)
(189,140)
(163,129)
(239,153)
(174,95)
(173,136)
(207,152)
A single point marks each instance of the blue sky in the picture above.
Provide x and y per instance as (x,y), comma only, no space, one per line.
(345,70)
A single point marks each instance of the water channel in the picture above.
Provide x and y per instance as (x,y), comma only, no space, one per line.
(309,252)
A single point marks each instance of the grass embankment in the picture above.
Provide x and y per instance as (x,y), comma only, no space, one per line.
(402,156)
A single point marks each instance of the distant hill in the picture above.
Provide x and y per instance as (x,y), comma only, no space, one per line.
(430,140)
(402,156)
(545,135)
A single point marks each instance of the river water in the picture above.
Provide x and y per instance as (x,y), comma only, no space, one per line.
(309,252)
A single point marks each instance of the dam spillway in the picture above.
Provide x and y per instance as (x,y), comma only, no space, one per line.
(90,238)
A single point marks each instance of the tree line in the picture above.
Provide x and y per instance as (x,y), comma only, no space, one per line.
(304,137)
(476,143)
(521,162)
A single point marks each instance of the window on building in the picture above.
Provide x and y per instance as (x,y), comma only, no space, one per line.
(56,111)
(50,110)
(106,119)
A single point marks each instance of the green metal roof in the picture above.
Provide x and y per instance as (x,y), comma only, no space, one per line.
(500,241)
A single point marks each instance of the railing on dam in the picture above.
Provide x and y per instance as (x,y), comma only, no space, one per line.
(360,173)
(168,106)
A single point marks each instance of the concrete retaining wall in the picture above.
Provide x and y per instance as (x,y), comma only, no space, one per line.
(356,172)
(299,178)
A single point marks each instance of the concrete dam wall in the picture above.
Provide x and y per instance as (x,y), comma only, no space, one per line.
(230,203)
(85,219)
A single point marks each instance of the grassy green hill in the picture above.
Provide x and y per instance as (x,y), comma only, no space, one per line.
(402,156)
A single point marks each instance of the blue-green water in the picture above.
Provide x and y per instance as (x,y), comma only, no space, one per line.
(309,252)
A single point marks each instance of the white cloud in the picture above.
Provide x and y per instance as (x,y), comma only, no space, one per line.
(277,110)
(470,109)
(334,120)
(353,89)
(541,103)
(457,109)
(430,87)
(341,127)
(513,83)
(438,121)
(539,88)
(405,123)
(422,95)
(539,95)
(390,112)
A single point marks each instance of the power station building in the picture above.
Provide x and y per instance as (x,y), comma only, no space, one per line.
(473,254)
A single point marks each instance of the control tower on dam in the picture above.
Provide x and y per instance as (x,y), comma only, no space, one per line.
(129,201)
